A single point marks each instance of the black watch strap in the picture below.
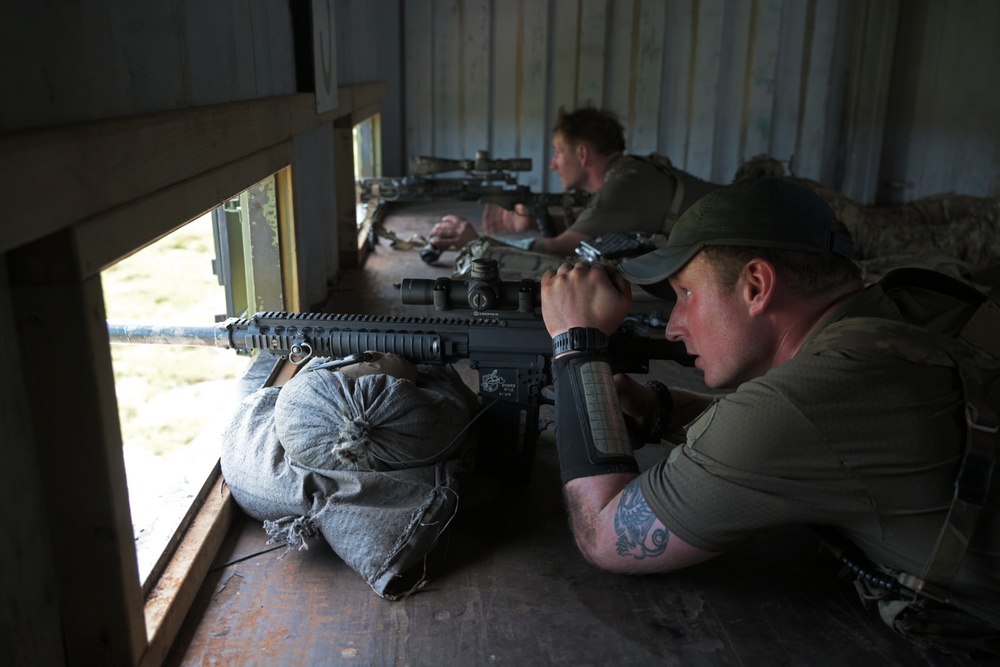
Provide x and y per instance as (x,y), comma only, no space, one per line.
(586,339)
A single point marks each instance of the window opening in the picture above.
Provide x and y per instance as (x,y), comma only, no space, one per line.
(174,400)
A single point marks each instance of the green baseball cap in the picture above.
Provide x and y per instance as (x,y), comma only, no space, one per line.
(757,212)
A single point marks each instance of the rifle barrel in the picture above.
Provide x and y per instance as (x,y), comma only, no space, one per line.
(166,334)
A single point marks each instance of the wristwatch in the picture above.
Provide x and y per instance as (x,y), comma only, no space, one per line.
(580,339)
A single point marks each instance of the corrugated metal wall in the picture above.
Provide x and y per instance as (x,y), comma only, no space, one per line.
(710,83)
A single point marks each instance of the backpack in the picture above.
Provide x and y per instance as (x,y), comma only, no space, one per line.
(965,336)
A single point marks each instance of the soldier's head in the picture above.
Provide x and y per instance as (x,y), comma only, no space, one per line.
(582,142)
(752,266)
(599,127)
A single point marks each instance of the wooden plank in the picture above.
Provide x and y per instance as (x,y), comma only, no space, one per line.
(675,120)
(104,239)
(30,602)
(79,454)
(147,37)
(535,135)
(314,178)
(475,77)
(652,18)
(56,177)
(418,40)
(289,250)
(170,600)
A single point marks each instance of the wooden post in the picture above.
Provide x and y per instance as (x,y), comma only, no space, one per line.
(70,392)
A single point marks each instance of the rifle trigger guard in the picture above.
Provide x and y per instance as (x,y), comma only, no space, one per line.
(300,353)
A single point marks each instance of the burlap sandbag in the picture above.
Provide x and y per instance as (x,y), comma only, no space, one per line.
(330,420)
(382,524)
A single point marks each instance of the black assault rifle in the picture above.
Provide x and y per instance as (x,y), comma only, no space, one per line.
(505,341)
(486,180)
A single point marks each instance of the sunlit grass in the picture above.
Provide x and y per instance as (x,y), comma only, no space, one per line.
(165,393)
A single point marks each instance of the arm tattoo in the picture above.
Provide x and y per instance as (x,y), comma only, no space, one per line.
(633,522)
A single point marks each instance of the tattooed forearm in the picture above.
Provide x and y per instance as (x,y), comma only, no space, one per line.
(633,523)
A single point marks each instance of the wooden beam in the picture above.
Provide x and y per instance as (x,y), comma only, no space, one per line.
(105,239)
(174,593)
(56,177)
(77,442)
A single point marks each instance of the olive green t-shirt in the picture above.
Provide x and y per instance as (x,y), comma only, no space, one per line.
(636,195)
(864,442)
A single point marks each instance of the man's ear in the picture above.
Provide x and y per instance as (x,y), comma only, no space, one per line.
(583,153)
(759,284)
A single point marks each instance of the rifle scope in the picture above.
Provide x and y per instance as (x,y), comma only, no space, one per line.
(423,165)
(484,291)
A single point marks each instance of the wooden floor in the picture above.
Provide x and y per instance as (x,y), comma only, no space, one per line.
(507,586)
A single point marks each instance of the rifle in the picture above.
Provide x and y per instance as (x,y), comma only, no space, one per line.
(486,180)
(505,341)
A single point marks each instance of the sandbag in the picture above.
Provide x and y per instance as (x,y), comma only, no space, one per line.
(383,524)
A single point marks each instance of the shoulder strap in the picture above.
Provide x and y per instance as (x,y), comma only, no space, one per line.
(664,164)
(972,360)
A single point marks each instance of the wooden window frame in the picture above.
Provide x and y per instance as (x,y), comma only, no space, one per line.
(78,199)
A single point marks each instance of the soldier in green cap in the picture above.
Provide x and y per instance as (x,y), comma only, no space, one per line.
(868,413)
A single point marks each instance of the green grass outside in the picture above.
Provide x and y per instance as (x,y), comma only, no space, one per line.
(165,392)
